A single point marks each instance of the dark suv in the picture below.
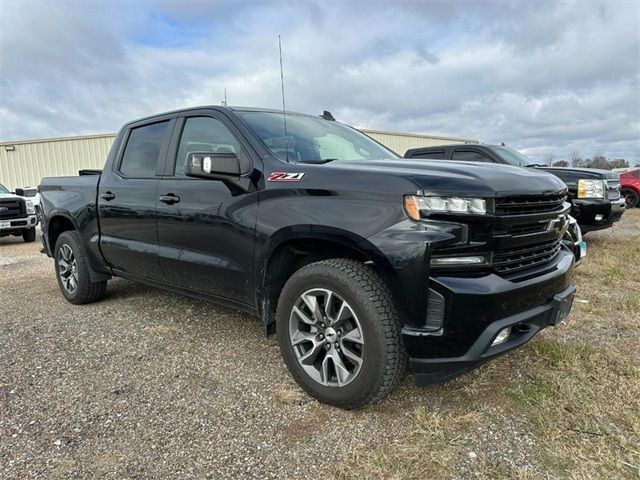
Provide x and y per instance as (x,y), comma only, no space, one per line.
(594,194)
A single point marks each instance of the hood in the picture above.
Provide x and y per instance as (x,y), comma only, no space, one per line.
(582,172)
(11,196)
(460,178)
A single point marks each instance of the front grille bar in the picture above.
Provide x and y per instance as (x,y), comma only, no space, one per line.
(512,260)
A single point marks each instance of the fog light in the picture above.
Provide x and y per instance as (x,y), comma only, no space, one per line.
(502,336)
(599,217)
(446,261)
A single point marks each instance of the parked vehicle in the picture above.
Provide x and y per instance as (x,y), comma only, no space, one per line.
(355,258)
(630,187)
(573,240)
(17,216)
(32,194)
(594,194)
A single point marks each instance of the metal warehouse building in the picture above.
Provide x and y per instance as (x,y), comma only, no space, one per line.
(24,163)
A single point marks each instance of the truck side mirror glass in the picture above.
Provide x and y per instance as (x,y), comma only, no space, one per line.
(212,165)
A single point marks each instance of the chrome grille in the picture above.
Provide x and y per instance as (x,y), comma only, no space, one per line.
(12,208)
(613,189)
(527,204)
(512,260)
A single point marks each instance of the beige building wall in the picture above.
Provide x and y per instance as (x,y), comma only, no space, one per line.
(401,142)
(24,163)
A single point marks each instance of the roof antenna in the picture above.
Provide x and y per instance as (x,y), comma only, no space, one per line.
(224,102)
(284,110)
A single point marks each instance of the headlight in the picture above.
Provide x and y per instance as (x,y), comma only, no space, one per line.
(591,188)
(30,208)
(414,204)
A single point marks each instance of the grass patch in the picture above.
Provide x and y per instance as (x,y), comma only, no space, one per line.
(573,391)
(530,393)
(441,439)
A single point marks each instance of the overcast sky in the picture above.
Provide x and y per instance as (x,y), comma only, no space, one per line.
(542,77)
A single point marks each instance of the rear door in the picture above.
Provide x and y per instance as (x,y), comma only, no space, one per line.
(127,197)
(206,232)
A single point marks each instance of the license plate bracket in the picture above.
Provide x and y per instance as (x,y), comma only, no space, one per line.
(562,303)
(583,249)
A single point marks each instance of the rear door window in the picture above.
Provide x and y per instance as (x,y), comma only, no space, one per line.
(469,156)
(143,150)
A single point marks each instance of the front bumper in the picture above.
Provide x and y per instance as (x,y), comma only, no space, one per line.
(597,214)
(17,225)
(477,308)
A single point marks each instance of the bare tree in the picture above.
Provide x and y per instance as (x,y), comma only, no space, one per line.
(599,161)
(576,159)
(561,163)
(549,158)
(618,163)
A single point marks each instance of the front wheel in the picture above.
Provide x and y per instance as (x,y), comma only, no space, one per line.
(73,271)
(29,236)
(631,197)
(338,332)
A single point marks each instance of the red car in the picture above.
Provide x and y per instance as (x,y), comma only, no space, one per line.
(630,187)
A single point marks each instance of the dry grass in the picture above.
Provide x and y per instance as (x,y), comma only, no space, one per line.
(567,405)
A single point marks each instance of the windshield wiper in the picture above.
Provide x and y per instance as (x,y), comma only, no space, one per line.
(535,165)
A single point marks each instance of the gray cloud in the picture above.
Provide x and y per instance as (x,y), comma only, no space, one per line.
(543,77)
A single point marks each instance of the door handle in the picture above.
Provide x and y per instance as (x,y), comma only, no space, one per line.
(108,196)
(169,199)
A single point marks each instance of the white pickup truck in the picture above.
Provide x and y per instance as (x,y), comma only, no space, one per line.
(17,216)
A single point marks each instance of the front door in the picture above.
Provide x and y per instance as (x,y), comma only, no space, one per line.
(206,227)
(127,198)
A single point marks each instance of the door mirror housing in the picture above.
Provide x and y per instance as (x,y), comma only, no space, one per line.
(221,166)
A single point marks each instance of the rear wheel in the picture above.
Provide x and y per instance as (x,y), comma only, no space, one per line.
(338,333)
(29,235)
(73,271)
(631,197)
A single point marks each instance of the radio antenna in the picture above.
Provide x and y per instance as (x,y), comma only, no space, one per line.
(284,110)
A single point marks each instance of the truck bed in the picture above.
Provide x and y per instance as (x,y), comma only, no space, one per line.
(75,194)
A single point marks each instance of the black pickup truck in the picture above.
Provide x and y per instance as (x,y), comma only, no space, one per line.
(594,194)
(355,258)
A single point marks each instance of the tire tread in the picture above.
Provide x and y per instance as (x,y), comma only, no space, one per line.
(369,280)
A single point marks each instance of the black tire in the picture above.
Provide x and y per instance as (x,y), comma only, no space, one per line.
(29,235)
(86,291)
(383,354)
(631,197)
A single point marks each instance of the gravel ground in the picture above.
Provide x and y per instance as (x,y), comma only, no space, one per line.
(148,384)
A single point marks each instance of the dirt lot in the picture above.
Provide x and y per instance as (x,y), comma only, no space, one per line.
(151,384)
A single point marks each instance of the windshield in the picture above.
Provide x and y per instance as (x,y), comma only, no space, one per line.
(311,139)
(513,157)
(3,189)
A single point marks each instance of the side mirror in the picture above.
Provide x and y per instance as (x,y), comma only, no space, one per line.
(20,192)
(221,166)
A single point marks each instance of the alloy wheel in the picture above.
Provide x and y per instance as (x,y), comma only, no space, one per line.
(68,269)
(326,337)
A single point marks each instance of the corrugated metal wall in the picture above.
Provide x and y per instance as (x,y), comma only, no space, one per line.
(29,161)
(26,162)
(401,142)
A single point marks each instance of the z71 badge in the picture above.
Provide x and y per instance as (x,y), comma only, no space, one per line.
(285,177)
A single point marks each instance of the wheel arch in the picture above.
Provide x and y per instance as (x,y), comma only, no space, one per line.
(294,247)
(58,223)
